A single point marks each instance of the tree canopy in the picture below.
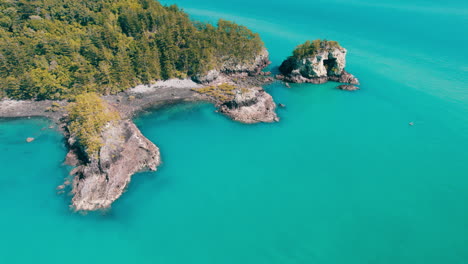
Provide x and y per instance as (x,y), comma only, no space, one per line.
(88,115)
(310,48)
(58,49)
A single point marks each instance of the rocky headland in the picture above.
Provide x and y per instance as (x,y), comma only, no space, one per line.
(100,181)
(101,178)
(107,149)
(317,62)
(222,64)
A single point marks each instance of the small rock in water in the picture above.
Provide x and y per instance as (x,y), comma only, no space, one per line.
(348,87)
(287,85)
(29,139)
(282,105)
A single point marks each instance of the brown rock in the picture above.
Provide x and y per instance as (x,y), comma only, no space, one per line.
(72,158)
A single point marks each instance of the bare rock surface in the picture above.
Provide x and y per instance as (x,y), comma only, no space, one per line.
(125,151)
(252,105)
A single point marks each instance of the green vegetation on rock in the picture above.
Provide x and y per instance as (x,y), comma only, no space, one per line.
(57,49)
(311,48)
(88,115)
(220,93)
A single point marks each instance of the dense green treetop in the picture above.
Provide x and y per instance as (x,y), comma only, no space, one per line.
(57,49)
(311,48)
(88,115)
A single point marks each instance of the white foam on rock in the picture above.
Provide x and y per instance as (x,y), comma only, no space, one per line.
(172,83)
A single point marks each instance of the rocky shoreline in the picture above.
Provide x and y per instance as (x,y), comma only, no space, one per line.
(97,183)
(234,88)
(27,109)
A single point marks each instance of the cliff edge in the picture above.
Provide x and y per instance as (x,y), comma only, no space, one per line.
(107,151)
(125,151)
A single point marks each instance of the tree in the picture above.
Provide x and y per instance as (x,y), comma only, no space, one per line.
(88,116)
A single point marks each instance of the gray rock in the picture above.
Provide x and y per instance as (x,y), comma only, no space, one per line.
(125,151)
(254,105)
(327,64)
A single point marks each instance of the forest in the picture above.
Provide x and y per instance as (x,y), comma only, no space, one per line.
(58,49)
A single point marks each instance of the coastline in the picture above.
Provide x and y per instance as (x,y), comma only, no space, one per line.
(129,103)
(10,109)
(97,183)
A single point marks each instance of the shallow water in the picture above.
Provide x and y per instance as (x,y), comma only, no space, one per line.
(342,178)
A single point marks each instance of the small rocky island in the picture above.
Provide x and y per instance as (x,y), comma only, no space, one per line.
(318,61)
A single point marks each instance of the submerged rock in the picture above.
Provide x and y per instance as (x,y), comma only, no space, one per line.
(348,87)
(317,62)
(30,139)
(251,105)
(101,181)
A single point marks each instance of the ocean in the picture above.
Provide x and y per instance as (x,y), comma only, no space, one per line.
(343,178)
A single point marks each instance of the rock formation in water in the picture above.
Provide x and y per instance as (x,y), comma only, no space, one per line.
(348,87)
(253,105)
(101,181)
(317,62)
(243,104)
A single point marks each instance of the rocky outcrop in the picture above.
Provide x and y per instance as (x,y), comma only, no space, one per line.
(233,66)
(251,105)
(344,77)
(252,67)
(326,61)
(101,181)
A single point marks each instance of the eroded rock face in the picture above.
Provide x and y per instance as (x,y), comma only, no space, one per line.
(253,67)
(252,105)
(327,64)
(125,151)
(232,66)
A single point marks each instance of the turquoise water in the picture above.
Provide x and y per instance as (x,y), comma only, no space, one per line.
(342,178)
